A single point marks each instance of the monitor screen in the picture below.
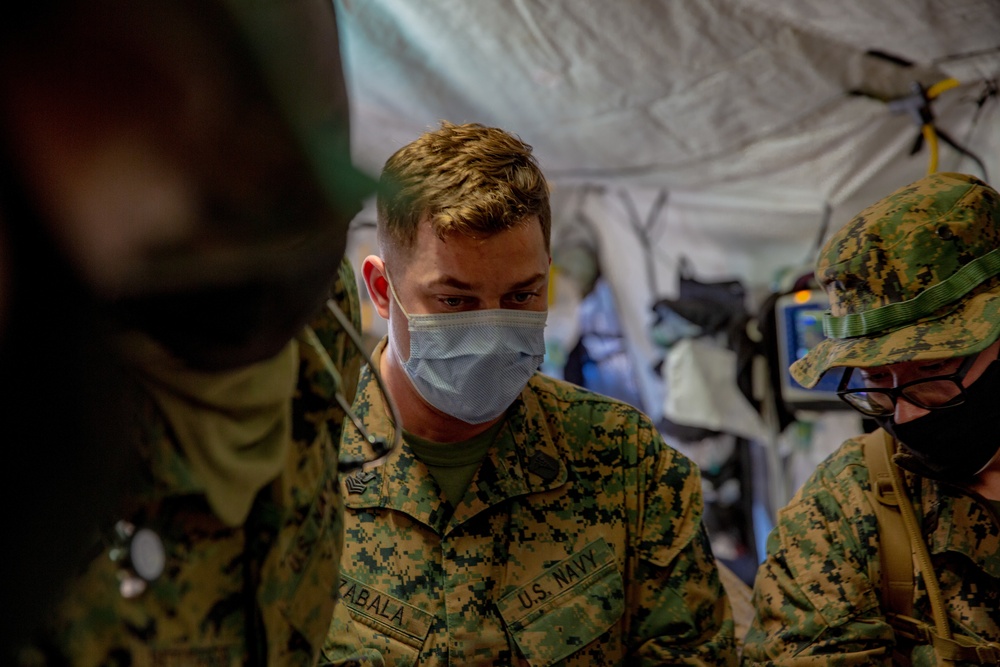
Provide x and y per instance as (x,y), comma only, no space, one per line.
(799,317)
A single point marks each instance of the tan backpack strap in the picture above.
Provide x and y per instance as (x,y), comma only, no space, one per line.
(900,544)
(895,553)
(964,649)
(957,649)
(919,549)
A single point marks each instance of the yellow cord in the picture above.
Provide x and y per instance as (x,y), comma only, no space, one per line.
(931,139)
(940,87)
(930,134)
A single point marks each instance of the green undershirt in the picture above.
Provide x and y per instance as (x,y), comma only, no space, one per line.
(453,464)
(996,506)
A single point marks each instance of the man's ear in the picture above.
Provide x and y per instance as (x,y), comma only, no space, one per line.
(373,271)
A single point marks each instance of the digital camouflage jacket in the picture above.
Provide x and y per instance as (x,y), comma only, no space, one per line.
(579,542)
(818,593)
(198,613)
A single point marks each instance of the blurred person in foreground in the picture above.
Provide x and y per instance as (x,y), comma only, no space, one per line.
(525,520)
(174,191)
(913,326)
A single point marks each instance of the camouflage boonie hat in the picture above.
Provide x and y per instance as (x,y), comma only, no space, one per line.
(911,277)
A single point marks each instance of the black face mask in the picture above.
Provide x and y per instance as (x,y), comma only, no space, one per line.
(955,443)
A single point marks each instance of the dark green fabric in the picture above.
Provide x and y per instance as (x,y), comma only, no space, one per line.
(453,464)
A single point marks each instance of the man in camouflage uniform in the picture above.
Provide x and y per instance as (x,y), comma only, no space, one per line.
(913,326)
(182,169)
(524,520)
(247,571)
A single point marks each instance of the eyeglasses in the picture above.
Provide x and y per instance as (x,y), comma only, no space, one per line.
(933,393)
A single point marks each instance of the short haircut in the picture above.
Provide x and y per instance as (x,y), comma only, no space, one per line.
(470,179)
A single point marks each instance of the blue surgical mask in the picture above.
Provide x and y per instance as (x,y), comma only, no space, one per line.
(472,365)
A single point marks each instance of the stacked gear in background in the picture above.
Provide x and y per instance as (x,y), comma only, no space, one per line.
(710,409)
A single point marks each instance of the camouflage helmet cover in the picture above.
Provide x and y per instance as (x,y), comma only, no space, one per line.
(914,276)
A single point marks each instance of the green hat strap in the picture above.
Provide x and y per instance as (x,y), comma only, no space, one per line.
(927,302)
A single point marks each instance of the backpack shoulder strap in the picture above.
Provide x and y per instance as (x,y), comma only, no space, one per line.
(894,550)
(900,546)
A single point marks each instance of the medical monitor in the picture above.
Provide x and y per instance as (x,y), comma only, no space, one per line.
(799,320)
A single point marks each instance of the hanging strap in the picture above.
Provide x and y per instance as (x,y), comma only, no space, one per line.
(900,543)
(957,648)
(894,544)
(895,553)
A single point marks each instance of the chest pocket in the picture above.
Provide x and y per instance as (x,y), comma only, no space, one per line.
(566,607)
(384,624)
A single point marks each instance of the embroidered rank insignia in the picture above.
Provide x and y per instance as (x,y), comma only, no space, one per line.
(358,482)
(544,466)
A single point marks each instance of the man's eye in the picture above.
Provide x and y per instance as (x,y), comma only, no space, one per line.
(453,301)
(521,298)
(937,368)
(876,378)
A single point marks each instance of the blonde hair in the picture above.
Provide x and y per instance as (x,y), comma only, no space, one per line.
(470,179)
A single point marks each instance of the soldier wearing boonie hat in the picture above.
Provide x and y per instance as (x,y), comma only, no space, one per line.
(912,328)
(912,277)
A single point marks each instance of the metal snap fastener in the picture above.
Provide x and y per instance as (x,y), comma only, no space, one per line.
(140,555)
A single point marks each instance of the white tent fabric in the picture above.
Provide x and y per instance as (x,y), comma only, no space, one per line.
(689,95)
(766,123)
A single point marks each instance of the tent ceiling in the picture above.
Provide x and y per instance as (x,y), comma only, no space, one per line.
(752,96)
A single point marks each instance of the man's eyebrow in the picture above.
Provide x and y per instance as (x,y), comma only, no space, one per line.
(530,282)
(454,283)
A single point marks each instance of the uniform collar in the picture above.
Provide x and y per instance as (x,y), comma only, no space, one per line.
(523,460)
